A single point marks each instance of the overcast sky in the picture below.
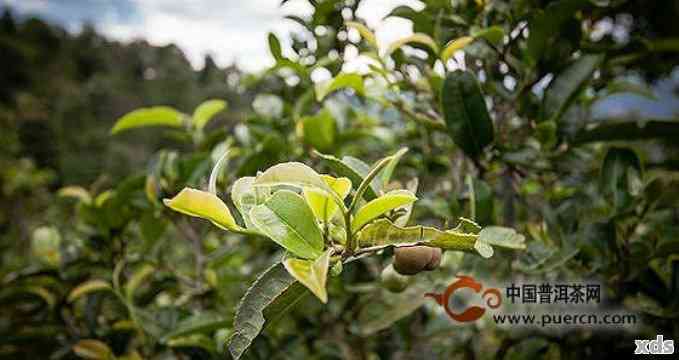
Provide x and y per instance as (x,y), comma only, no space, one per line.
(229,30)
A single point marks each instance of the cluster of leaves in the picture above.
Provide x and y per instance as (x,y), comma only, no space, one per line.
(498,105)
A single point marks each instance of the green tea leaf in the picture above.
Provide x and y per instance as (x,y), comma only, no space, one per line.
(354,170)
(341,81)
(418,38)
(273,288)
(563,89)
(152,116)
(287,219)
(311,273)
(319,130)
(77,192)
(492,34)
(381,206)
(389,169)
(322,205)
(618,170)
(93,350)
(204,205)
(453,46)
(545,26)
(216,171)
(206,111)
(88,287)
(291,173)
(502,237)
(366,33)
(200,323)
(465,112)
(137,279)
(275,47)
(245,196)
(384,233)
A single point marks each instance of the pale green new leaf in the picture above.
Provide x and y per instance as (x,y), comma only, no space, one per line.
(291,173)
(366,34)
(341,81)
(216,171)
(204,205)
(419,38)
(405,211)
(206,111)
(381,206)
(245,196)
(311,273)
(152,116)
(453,46)
(389,169)
(287,219)
(322,204)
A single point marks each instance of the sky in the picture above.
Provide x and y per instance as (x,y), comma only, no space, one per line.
(229,30)
(236,31)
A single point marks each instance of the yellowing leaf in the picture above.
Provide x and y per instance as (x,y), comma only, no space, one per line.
(366,34)
(287,219)
(455,45)
(380,206)
(323,206)
(93,350)
(204,205)
(311,273)
(206,111)
(418,38)
(88,287)
(294,174)
(152,116)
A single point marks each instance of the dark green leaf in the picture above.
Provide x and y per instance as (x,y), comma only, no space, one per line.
(563,89)
(272,289)
(620,169)
(275,47)
(464,109)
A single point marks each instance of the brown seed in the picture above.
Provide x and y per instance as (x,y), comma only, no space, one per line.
(410,260)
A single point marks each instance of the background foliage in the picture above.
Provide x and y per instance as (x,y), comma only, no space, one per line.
(93,264)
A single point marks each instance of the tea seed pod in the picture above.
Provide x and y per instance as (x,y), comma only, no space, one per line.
(410,260)
(393,281)
(435,259)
